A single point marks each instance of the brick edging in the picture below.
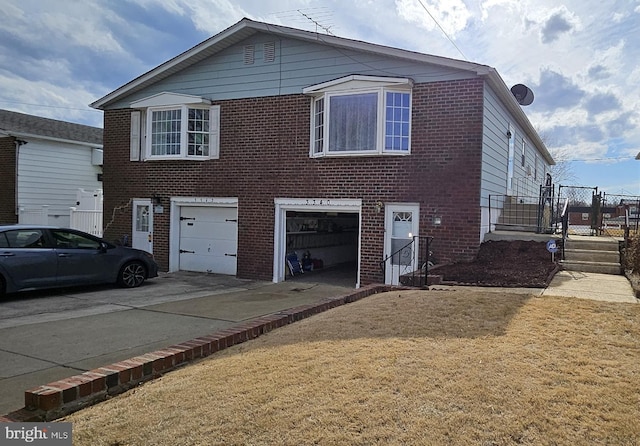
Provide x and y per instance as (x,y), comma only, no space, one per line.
(62,397)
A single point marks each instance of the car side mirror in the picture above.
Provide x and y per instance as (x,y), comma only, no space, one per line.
(103,247)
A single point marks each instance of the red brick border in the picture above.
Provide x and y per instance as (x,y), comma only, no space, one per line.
(59,398)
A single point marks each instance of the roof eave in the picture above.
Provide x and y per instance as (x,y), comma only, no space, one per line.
(501,89)
(246,27)
(187,58)
(52,138)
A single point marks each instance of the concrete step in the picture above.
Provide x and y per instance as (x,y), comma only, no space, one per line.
(516,227)
(588,255)
(591,267)
(592,245)
(518,219)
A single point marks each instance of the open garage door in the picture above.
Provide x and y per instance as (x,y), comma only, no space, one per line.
(208,239)
(325,232)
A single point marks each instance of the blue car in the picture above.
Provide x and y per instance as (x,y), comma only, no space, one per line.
(37,257)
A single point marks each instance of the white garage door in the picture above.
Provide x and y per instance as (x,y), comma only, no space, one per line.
(209,239)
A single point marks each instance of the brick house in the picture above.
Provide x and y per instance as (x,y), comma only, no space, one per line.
(265,140)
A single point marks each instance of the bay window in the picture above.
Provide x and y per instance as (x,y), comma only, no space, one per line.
(181,132)
(361,115)
(174,126)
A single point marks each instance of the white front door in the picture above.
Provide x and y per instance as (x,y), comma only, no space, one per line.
(401,228)
(142,232)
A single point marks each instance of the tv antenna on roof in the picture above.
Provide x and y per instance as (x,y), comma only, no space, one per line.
(523,94)
(318,25)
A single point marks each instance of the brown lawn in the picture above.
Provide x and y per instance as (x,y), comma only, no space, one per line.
(402,368)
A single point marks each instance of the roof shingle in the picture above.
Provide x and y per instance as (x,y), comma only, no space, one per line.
(20,123)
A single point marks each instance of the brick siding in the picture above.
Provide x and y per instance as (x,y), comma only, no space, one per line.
(264,153)
(8,181)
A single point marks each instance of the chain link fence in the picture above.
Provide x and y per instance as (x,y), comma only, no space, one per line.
(620,212)
(583,208)
(597,213)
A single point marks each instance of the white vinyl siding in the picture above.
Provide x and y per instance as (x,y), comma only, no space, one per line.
(50,173)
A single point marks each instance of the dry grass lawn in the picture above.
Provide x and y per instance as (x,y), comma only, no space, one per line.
(402,368)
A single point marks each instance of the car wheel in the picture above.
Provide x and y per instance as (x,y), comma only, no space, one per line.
(132,275)
(3,287)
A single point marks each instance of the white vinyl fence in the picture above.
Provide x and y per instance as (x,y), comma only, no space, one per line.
(34,216)
(87,221)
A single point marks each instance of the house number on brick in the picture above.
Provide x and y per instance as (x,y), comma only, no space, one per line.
(319,202)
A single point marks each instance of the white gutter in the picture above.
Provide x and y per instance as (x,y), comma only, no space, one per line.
(50,138)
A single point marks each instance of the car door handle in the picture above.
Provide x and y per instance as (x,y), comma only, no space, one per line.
(64,255)
(7,254)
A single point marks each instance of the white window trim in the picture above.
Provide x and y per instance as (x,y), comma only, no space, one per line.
(358,84)
(140,144)
(214,132)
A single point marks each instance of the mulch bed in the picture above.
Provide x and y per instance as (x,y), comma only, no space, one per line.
(515,263)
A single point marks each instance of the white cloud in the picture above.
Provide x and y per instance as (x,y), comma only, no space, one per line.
(42,98)
(452,15)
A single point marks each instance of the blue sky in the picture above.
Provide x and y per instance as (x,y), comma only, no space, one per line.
(581,58)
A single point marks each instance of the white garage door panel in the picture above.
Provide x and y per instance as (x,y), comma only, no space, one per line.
(208,247)
(209,239)
(208,230)
(210,213)
(207,263)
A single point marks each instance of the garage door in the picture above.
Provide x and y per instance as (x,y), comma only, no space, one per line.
(209,239)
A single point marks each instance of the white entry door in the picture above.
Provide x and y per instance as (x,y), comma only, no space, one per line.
(401,225)
(142,232)
(209,239)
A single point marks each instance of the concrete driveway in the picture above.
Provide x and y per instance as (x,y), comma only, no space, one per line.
(47,336)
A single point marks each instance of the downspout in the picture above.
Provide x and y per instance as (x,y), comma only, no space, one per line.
(18,143)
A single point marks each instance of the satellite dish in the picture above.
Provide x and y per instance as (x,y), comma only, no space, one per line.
(523,94)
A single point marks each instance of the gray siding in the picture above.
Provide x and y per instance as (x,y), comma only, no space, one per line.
(496,152)
(51,173)
(297,64)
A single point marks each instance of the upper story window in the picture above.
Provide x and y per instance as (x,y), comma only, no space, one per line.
(180,132)
(173,126)
(361,115)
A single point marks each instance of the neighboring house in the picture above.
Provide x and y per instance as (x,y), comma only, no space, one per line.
(43,165)
(264,140)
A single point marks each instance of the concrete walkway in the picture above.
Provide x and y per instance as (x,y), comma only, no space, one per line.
(604,287)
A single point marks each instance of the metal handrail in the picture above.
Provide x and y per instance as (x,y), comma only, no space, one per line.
(423,261)
(564,218)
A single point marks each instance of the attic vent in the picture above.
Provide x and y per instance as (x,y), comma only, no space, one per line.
(269,51)
(249,54)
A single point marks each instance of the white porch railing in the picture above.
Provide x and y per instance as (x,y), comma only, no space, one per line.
(34,216)
(87,221)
